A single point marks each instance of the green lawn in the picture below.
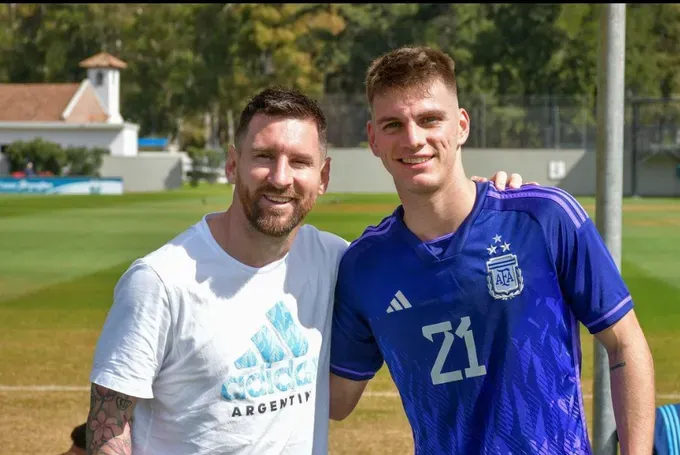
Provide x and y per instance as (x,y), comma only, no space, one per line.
(62,255)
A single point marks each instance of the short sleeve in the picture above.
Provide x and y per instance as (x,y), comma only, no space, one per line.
(355,353)
(131,347)
(589,277)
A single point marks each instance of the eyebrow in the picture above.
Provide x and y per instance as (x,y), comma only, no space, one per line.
(427,113)
(261,150)
(296,155)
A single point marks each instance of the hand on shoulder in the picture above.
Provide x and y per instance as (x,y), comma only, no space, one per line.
(500,180)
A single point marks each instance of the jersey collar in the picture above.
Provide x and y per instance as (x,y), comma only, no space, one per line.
(456,240)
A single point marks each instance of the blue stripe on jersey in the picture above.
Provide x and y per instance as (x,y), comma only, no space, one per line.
(357,373)
(672,410)
(570,205)
(670,429)
(610,313)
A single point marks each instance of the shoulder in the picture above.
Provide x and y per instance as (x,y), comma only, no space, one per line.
(319,246)
(171,261)
(371,243)
(311,236)
(546,204)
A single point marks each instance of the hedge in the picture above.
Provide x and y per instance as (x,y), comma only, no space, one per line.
(48,157)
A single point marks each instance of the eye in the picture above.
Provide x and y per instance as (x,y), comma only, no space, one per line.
(430,119)
(301,163)
(391,125)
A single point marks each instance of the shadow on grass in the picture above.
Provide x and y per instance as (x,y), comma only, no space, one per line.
(81,303)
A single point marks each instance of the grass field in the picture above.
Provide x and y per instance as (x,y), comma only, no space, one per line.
(61,256)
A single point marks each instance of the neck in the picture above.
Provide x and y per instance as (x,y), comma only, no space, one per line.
(433,215)
(240,240)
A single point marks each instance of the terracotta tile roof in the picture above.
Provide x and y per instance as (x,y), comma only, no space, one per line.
(103,60)
(35,102)
(88,109)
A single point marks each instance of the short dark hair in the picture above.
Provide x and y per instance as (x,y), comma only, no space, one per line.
(78,436)
(282,102)
(408,67)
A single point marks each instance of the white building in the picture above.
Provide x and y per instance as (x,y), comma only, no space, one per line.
(71,114)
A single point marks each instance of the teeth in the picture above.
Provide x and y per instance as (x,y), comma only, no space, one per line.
(415,160)
(278,199)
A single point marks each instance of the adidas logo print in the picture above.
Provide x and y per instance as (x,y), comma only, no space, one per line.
(398,303)
(286,346)
(269,345)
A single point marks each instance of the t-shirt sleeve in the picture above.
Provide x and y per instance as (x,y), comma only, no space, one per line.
(132,344)
(589,277)
(355,353)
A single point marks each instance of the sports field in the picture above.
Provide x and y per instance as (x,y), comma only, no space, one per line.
(62,255)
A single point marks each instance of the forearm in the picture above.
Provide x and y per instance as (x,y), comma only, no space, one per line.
(109,422)
(633,397)
(344,396)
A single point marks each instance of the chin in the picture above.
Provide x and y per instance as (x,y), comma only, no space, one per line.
(421,185)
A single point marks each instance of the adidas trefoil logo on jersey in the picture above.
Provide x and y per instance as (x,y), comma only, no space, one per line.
(398,303)
(281,355)
(504,277)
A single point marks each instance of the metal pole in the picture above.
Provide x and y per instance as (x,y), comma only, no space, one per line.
(610,120)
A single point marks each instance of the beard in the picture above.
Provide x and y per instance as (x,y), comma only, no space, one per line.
(267,221)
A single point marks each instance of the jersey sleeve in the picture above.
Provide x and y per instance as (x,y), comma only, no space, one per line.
(355,353)
(589,277)
(132,344)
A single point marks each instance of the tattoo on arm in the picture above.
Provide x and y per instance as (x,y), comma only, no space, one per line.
(109,422)
(617,366)
(122,404)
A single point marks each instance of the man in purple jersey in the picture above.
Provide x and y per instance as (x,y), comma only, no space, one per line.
(473,297)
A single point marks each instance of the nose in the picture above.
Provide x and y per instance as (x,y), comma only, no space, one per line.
(281,175)
(415,136)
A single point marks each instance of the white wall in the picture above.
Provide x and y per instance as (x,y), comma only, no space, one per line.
(148,171)
(119,141)
(126,142)
(356,170)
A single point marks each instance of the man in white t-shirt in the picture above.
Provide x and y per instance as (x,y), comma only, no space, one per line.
(218,342)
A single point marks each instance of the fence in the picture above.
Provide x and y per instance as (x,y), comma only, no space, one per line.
(652,125)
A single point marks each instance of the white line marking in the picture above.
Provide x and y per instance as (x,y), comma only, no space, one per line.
(76,388)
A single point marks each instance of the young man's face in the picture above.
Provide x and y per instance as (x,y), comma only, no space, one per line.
(278,173)
(417,134)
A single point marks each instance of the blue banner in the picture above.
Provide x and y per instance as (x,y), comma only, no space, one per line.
(61,185)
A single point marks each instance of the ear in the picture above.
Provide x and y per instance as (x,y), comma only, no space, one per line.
(370,132)
(230,165)
(463,127)
(325,176)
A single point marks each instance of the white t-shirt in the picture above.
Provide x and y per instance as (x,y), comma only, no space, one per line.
(225,358)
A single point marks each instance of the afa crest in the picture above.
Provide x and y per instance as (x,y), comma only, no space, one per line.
(504,277)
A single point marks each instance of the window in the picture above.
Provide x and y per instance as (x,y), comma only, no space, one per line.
(99,79)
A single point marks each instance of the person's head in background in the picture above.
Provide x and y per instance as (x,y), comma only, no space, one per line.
(78,442)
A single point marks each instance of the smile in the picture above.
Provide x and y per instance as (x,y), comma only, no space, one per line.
(278,199)
(416,160)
